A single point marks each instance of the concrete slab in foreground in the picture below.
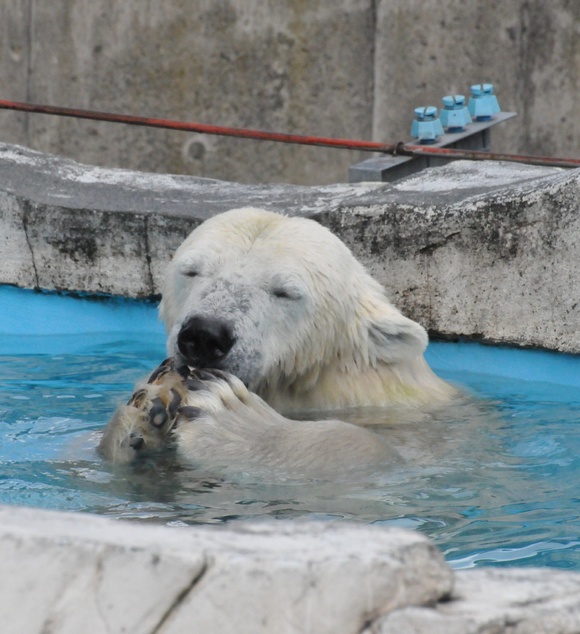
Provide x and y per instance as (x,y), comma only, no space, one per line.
(71,573)
(477,250)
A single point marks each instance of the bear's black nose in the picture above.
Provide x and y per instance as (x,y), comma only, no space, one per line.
(203,341)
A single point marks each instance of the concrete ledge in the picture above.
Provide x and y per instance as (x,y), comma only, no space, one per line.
(71,573)
(478,250)
(66,572)
(495,601)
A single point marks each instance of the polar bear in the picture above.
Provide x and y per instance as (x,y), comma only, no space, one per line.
(269,316)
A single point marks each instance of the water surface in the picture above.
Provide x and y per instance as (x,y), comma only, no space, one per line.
(495,480)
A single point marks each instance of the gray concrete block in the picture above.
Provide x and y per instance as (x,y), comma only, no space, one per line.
(498,601)
(17,262)
(87,228)
(71,573)
(477,250)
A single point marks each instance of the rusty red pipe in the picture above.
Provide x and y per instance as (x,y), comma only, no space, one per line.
(203,128)
(345,144)
(473,155)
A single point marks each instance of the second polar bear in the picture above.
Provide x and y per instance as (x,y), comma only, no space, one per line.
(281,304)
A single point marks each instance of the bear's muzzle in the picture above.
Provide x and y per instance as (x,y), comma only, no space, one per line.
(204,341)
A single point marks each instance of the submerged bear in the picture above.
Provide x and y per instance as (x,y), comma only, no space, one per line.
(270,316)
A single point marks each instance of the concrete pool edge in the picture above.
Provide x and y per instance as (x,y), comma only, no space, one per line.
(483,251)
(495,261)
(67,572)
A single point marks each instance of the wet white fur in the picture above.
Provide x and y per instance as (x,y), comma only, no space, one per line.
(235,431)
(313,332)
(335,342)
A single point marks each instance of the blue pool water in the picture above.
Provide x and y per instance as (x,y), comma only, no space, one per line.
(499,484)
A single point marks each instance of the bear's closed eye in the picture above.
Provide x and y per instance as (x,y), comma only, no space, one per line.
(281,293)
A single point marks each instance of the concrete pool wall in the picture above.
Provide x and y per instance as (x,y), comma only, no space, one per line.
(483,251)
(487,251)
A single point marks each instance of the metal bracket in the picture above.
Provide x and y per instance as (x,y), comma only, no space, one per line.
(476,136)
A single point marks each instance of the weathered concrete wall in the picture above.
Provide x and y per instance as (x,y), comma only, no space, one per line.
(486,251)
(530,51)
(64,572)
(478,250)
(347,68)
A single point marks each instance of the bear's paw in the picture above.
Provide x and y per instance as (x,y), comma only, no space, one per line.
(172,398)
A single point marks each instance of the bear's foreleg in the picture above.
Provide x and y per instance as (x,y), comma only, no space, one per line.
(215,423)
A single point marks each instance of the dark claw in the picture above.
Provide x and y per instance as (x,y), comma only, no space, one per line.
(190,412)
(203,375)
(165,367)
(220,374)
(184,371)
(157,414)
(175,403)
(136,442)
(137,398)
(194,385)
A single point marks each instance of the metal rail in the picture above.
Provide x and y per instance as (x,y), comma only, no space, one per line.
(344,144)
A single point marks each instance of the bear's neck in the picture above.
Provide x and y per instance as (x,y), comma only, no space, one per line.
(411,384)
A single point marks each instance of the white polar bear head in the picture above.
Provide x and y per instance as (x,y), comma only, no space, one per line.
(283,304)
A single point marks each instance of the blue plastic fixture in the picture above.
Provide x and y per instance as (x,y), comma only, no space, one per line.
(455,115)
(426,126)
(483,103)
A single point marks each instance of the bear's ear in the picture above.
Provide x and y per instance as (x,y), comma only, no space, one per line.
(393,337)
